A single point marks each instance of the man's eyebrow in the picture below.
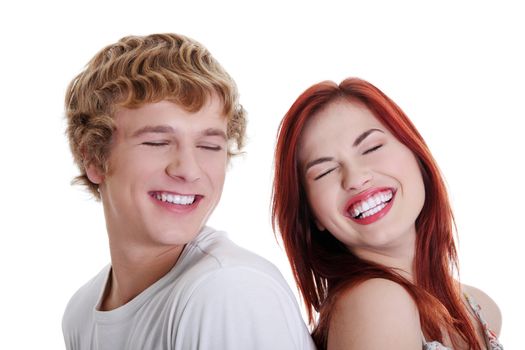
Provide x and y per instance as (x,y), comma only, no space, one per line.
(215,132)
(159,129)
(166,129)
(363,136)
(317,161)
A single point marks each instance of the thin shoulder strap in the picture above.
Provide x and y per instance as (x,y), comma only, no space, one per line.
(434,345)
(490,336)
(476,308)
(423,338)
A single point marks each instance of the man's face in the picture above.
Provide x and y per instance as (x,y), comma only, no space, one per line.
(165,174)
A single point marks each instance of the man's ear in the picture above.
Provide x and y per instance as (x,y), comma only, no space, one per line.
(94,174)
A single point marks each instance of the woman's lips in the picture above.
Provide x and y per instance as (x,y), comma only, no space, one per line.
(370,206)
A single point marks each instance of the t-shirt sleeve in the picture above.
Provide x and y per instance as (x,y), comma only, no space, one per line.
(239,309)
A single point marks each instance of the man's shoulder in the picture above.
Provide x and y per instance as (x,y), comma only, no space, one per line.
(238,299)
(216,265)
(81,305)
(214,249)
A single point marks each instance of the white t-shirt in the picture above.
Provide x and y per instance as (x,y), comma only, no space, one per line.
(217,296)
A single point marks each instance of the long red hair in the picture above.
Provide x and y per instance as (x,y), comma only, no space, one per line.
(317,259)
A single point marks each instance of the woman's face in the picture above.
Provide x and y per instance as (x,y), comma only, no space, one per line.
(362,184)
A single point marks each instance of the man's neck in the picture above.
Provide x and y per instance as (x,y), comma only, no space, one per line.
(133,271)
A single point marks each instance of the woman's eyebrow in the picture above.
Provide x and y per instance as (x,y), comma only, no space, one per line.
(317,161)
(356,143)
(363,136)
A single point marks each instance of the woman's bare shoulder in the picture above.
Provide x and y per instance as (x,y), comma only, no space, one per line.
(489,308)
(376,314)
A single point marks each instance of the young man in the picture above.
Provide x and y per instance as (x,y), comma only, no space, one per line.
(152,122)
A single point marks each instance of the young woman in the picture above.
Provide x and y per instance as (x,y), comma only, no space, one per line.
(368,228)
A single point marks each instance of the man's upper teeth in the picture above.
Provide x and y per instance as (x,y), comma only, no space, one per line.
(175,198)
(370,203)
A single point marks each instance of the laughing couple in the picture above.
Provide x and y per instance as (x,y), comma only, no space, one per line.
(358,200)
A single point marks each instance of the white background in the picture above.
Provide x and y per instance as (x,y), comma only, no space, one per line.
(456,68)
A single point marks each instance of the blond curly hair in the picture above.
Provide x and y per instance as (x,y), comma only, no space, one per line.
(137,70)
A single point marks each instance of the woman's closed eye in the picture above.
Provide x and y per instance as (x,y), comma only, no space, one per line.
(370,150)
(324,173)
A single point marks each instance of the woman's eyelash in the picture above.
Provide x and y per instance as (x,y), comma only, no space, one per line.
(372,149)
(332,169)
(323,174)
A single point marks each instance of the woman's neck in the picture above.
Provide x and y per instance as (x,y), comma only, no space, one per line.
(397,255)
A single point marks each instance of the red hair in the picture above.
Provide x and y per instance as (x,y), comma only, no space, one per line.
(317,259)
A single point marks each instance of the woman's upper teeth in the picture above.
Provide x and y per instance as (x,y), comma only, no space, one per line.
(370,203)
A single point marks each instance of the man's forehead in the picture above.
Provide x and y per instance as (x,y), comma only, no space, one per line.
(169,118)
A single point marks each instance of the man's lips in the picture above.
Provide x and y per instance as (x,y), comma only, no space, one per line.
(176,198)
(370,203)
